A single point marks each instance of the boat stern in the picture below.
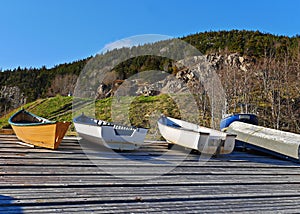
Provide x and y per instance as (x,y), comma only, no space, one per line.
(60,131)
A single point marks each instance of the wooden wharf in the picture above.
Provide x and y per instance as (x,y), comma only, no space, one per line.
(67,180)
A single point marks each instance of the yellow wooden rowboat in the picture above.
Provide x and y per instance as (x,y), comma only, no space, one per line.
(38,131)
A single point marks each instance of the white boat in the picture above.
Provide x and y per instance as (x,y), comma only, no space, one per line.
(192,136)
(110,135)
(283,144)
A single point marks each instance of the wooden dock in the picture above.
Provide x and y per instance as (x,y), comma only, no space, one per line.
(34,180)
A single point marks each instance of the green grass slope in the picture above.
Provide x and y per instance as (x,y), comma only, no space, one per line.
(57,108)
(139,111)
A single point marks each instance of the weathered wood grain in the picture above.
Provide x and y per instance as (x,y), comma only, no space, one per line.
(36,180)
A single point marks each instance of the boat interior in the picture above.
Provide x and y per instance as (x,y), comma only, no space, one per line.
(119,129)
(91,121)
(24,117)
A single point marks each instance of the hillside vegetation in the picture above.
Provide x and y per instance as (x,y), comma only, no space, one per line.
(141,111)
(42,82)
(259,69)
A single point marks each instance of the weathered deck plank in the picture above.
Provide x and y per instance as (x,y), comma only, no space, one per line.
(35,180)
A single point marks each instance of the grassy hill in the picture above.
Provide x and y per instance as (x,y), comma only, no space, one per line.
(143,111)
(56,108)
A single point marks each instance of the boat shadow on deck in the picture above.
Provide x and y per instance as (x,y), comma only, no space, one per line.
(255,156)
(144,154)
(6,205)
(161,154)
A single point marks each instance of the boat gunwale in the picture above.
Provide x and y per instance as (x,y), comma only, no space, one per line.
(109,124)
(45,121)
(91,124)
(230,118)
(182,128)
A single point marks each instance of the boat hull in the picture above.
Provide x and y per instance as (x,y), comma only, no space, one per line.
(38,131)
(189,135)
(44,135)
(275,142)
(111,136)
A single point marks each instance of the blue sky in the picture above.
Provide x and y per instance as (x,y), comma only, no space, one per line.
(34,33)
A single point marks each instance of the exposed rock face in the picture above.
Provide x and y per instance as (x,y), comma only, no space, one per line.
(233,60)
(102,91)
(11,97)
(216,60)
(185,79)
(183,82)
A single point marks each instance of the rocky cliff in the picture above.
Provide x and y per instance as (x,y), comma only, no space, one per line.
(216,61)
(11,97)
